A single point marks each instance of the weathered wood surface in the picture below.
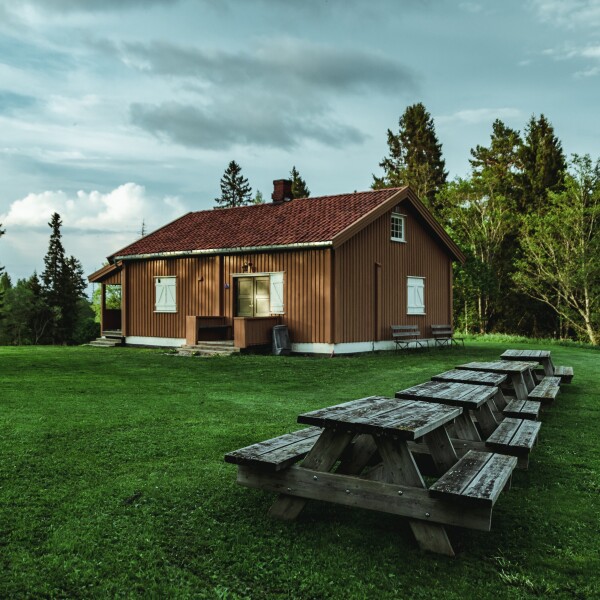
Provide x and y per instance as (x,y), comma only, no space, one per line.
(277,453)
(406,419)
(467,395)
(516,436)
(478,477)
(522,409)
(541,356)
(546,390)
(404,335)
(399,467)
(499,366)
(326,451)
(464,427)
(444,335)
(475,377)
(412,502)
(441,449)
(565,373)
(486,419)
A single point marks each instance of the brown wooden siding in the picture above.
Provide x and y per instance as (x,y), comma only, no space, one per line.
(114,279)
(201,289)
(356,297)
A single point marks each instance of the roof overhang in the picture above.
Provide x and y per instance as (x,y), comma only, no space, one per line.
(400,196)
(216,251)
(105,272)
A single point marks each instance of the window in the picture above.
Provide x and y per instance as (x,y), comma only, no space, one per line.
(277,293)
(398,230)
(259,295)
(165,289)
(415,295)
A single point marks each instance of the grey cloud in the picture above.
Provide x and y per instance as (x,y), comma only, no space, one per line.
(285,63)
(11,102)
(82,6)
(224,125)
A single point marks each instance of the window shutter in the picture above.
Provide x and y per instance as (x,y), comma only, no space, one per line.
(276,294)
(165,294)
(415,296)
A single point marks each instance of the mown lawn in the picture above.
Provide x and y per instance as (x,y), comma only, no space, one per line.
(112,483)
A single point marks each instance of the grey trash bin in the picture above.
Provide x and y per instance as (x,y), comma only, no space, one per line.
(281,340)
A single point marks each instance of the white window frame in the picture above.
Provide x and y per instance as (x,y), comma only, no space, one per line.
(165,290)
(413,284)
(398,218)
(276,289)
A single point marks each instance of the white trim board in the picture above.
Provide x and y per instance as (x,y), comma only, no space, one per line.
(162,342)
(353,347)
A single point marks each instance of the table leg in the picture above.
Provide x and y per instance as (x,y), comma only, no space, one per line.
(486,419)
(465,428)
(323,455)
(399,467)
(500,400)
(363,450)
(529,382)
(548,367)
(519,386)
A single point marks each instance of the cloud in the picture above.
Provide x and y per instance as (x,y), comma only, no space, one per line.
(11,102)
(120,210)
(479,115)
(26,7)
(581,53)
(277,95)
(568,13)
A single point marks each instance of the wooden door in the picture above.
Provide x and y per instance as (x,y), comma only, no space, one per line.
(262,301)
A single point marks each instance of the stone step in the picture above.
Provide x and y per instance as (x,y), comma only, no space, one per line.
(105,343)
(221,348)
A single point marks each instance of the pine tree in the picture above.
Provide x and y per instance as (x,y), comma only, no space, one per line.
(415,156)
(299,187)
(143,229)
(235,190)
(543,164)
(63,285)
(259,198)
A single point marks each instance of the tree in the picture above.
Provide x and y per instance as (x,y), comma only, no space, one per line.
(2,232)
(235,190)
(299,187)
(258,199)
(143,228)
(543,164)
(63,285)
(415,156)
(561,251)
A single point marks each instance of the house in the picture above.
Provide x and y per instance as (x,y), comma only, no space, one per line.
(337,270)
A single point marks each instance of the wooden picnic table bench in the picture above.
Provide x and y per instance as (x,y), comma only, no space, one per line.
(479,402)
(355,435)
(545,359)
(404,335)
(518,371)
(525,409)
(443,335)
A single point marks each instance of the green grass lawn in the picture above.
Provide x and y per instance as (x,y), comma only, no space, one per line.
(112,483)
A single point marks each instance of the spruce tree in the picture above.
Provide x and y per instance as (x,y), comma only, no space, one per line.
(415,156)
(299,187)
(63,285)
(2,275)
(543,164)
(235,190)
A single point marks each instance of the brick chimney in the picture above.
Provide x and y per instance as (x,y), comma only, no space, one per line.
(282,191)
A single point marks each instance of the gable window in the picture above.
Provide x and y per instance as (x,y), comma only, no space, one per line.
(398,227)
(415,295)
(165,294)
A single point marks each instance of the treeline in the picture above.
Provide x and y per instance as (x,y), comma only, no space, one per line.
(526,218)
(51,308)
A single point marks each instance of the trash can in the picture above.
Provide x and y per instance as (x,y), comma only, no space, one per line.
(281,340)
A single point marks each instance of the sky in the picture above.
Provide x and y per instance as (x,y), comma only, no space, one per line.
(118,112)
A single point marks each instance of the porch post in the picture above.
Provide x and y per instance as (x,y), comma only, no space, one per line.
(102,306)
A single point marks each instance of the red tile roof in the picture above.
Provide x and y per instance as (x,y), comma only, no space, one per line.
(300,221)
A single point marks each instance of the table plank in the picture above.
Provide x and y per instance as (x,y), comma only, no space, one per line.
(406,419)
(476,377)
(456,394)
(500,366)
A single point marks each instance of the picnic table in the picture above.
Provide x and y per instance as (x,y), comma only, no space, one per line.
(518,371)
(367,442)
(541,356)
(475,400)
